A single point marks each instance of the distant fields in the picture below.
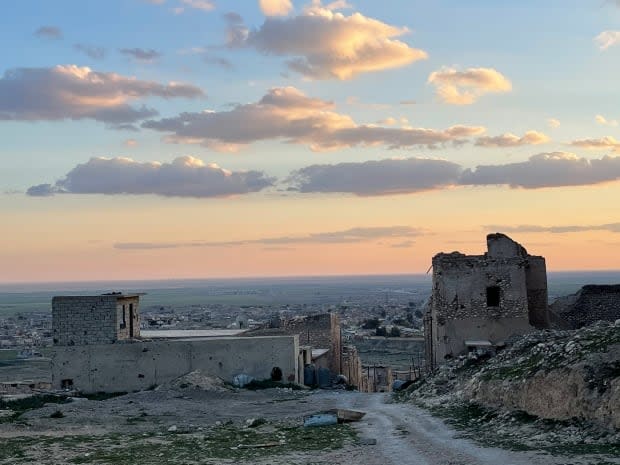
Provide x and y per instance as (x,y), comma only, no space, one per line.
(268,292)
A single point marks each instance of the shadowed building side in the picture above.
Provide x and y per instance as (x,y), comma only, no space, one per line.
(481,300)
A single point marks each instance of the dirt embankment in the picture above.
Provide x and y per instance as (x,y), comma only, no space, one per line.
(557,375)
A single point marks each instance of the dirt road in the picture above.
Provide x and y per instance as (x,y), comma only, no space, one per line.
(408,435)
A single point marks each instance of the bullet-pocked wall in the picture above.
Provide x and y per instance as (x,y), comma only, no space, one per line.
(141,364)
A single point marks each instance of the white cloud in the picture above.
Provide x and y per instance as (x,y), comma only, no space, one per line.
(553,123)
(607,39)
(276,7)
(287,114)
(511,140)
(184,177)
(324,44)
(73,92)
(204,5)
(600,119)
(465,87)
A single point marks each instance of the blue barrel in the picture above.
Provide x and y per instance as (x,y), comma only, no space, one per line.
(310,375)
(324,377)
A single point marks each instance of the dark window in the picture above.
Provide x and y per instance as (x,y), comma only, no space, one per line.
(124,320)
(493,296)
(66,384)
(276,374)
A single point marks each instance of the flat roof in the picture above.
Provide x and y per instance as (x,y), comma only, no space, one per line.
(189,333)
(118,295)
(316,353)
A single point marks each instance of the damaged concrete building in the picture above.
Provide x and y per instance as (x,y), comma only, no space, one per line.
(98,348)
(478,301)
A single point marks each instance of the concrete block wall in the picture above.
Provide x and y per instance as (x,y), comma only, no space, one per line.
(142,364)
(85,320)
(81,320)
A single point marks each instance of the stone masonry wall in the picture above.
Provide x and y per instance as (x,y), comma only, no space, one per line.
(460,284)
(486,297)
(318,331)
(592,303)
(352,368)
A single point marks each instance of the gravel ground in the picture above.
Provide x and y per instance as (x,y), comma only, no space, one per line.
(193,427)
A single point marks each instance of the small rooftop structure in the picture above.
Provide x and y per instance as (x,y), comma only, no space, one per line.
(485,297)
(95,319)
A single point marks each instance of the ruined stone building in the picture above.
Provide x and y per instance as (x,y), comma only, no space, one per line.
(321,332)
(590,304)
(98,348)
(481,300)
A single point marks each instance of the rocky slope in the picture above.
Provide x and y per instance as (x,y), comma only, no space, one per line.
(568,377)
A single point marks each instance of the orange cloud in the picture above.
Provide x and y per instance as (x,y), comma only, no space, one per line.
(275,7)
(465,87)
(325,44)
(511,140)
(604,143)
(286,113)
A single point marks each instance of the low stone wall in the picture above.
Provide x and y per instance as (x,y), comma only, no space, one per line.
(592,303)
(142,364)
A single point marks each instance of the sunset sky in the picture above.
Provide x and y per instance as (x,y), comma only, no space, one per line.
(220,138)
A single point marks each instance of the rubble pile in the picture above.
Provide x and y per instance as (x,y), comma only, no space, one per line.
(198,380)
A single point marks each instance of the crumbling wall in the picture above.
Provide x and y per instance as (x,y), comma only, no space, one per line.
(378,378)
(537,294)
(142,364)
(352,367)
(484,297)
(590,304)
(320,331)
(459,303)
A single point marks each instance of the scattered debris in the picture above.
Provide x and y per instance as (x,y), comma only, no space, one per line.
(321,419)
(242,380)
(367,441)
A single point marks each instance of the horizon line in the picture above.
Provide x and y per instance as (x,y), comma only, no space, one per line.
(273,277)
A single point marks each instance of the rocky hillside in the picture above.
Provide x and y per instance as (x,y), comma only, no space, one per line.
(555,375)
